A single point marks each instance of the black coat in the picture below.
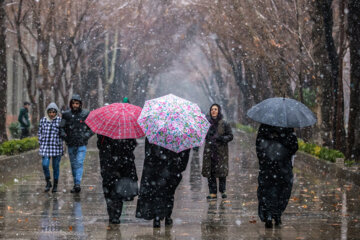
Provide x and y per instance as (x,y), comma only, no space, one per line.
(216,150)
(116,163)
(73,128)
(275,147)
(160,177)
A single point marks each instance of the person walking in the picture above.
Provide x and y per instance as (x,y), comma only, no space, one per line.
(160,177)
(76,135)
(118,172)
(216,152)
(51,145)
(24,121)
(275,147)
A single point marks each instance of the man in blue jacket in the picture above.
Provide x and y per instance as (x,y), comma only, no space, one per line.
(76,135)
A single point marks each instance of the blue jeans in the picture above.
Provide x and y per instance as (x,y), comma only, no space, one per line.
(77,156)
(55,165)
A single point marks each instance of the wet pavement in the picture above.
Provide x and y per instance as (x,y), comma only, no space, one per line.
(321,207)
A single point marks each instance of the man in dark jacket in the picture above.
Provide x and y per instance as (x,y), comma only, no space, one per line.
(76,134)
(24,120)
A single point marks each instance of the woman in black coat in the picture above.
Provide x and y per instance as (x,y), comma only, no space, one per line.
(118,172)
(275,147)
(216,152)
(160,177)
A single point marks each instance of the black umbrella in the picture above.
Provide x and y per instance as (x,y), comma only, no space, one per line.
(282,112)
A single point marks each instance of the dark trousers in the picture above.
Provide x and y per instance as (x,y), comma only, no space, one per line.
(213,185)
(24,133)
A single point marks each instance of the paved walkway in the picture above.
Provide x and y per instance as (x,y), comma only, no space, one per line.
(320,207)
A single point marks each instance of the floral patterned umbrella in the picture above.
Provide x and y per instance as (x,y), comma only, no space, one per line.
(173,123)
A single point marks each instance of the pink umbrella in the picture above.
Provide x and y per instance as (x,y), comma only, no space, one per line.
(117,121)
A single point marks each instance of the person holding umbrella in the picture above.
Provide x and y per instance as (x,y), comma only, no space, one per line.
(160,177)
(276,144)
(173,126)
(216,152)
(275,147)
(117,170)
(117,131)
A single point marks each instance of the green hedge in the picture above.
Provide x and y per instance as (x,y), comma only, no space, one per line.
(245,128)
(19,145)
(320,152)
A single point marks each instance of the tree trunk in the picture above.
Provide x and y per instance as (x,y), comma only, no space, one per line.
(354,117)
(3,73)
(340,127)
(322,74)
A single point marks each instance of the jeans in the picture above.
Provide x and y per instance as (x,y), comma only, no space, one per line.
(213,185)
(77,156)
(55,165)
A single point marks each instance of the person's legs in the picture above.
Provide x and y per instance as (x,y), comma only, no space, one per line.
(24,133)
(222,184)
(56,166)
(45,165)
(56,170)
(79,164)
(222,187)
(212,187)
(72,156)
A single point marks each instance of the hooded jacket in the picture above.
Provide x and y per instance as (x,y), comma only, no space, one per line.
(48,133)
(73,128)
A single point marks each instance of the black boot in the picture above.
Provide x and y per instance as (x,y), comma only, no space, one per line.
(168,221)
(48,185)
(76,188)
(268,222)
(54,189)
(277,220)
(156,223)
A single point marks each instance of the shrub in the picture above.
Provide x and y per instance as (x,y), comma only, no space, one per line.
(245,128)
(15,130)
(320,152)
(17,146)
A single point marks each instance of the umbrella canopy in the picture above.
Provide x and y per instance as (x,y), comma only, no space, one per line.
(173,123)
(282,112)
(117,121)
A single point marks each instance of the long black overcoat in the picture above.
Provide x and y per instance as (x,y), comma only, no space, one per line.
(275,147)
(116,162)
(160,177)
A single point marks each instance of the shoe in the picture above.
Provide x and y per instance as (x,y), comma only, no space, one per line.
(168,221)
(76,188)
(211,196)
(54,189)
(48,185)
(268,222)
(114,221)
(277,221)
(156,223)
(224,195)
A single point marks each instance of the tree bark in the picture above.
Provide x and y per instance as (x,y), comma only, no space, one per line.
(354,117)
(322,74)
(3,73)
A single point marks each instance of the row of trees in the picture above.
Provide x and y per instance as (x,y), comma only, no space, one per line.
(249,50)
(297,49)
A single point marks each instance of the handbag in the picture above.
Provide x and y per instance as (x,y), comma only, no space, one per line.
(127,188)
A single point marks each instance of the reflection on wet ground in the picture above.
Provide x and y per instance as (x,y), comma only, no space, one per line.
(320,207)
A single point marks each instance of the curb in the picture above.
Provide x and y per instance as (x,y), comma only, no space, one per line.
(320,166)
